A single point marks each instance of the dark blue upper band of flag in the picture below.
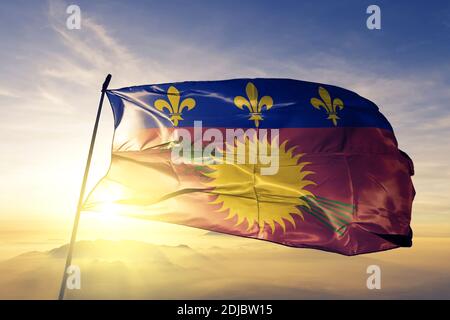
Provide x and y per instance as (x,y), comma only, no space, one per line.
(214,104)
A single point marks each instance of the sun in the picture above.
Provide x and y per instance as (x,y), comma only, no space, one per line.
(257,199)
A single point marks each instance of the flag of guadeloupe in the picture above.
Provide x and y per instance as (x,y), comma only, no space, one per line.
(341,183)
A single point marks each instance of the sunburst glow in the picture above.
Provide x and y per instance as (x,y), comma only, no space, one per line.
(261,199)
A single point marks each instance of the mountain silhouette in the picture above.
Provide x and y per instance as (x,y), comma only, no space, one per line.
(248,270)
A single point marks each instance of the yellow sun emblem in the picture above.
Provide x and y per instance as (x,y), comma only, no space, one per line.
(261,199)
(174,106)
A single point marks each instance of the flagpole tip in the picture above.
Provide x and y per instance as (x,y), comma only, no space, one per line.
(106,83)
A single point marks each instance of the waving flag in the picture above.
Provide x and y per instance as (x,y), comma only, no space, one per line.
(292,162)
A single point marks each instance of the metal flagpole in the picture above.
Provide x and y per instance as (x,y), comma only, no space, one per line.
(83,187)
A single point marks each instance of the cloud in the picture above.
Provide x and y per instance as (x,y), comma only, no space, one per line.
(86,53)
(8,93)
(439,123)
(64,80)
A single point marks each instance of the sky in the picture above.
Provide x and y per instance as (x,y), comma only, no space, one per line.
(50,80)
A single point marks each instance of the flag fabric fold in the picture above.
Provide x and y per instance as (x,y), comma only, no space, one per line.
(293,162)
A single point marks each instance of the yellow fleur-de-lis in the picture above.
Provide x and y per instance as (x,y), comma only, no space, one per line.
(252,103)
(330,107)
(174,106)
